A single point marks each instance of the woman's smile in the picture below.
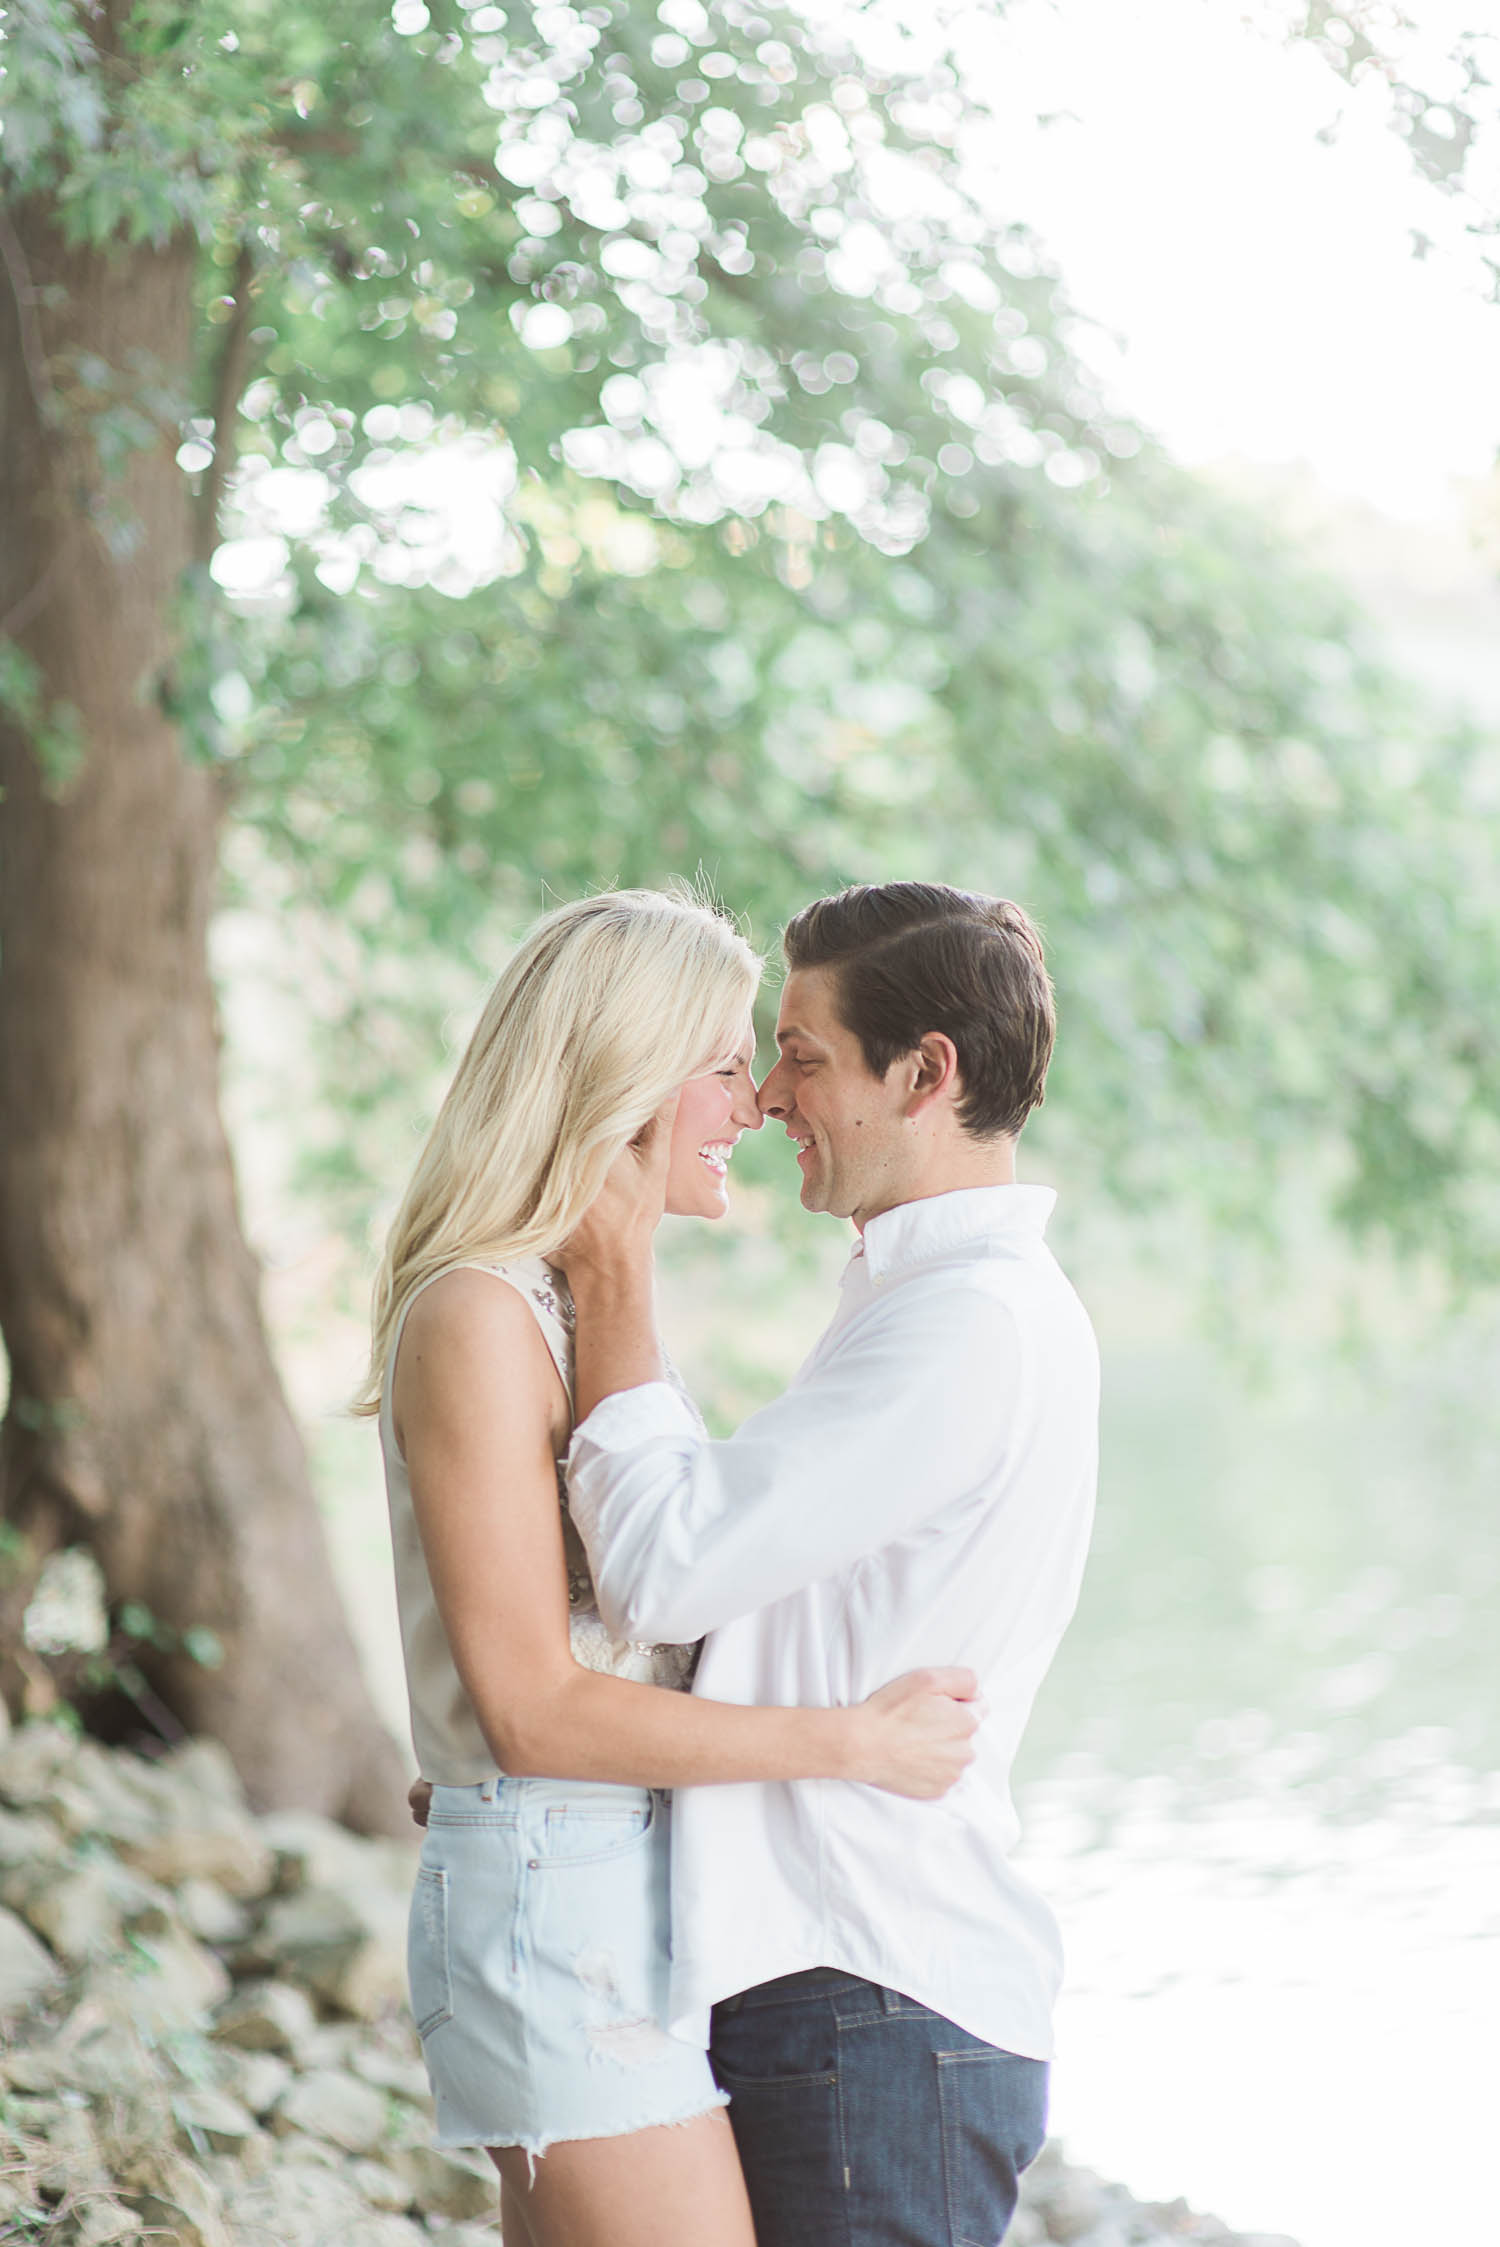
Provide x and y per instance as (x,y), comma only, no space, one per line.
(717,1154)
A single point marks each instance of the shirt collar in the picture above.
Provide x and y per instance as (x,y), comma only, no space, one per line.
(918,1232)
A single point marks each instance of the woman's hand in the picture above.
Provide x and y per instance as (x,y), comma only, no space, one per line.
(616,1228)
(916,1735)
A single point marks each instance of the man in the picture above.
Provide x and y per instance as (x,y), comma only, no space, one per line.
(877,1979)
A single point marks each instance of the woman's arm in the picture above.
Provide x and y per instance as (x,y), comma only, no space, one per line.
(479,1412)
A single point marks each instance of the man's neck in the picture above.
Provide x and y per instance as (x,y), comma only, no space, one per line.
(979,1162)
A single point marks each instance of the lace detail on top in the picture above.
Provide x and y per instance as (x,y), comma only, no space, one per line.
(593,1644)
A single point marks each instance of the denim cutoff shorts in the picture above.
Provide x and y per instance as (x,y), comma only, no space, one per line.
(538,1952)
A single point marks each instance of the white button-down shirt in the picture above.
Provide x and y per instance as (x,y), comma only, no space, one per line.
(923,1493)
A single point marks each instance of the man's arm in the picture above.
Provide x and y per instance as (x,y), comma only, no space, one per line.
(908,1411)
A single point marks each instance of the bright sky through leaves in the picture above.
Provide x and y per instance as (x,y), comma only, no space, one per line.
(1261,279)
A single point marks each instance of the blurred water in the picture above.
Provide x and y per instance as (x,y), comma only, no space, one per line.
(1261,1789)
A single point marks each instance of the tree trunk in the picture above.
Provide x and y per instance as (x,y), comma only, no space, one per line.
(146,1417)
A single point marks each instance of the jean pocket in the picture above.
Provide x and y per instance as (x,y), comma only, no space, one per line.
(776,2048)
(427,1963)
(592,1833)
(993,2107)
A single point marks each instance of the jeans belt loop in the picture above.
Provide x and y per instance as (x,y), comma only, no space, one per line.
(891,2001)
(487,1787)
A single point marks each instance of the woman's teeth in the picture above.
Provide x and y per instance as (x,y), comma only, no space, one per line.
(717,1156)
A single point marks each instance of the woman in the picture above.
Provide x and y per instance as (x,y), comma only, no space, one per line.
(539,1935)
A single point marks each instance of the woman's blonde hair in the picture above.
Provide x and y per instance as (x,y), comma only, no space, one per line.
(606,1008)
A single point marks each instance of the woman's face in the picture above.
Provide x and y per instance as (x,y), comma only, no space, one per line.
(712,1111)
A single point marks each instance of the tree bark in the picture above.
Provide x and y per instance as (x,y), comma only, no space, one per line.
(146,1420)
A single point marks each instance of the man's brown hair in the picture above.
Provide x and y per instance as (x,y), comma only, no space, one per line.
(913,957)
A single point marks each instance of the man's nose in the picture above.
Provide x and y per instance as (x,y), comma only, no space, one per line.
(772,1095)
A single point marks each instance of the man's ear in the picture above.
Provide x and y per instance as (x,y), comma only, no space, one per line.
(934,1063)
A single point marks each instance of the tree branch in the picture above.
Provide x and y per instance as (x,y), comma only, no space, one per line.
(35,598)
(33,351)
(229,383)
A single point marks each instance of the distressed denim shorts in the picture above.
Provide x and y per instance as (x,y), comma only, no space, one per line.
(538,1954)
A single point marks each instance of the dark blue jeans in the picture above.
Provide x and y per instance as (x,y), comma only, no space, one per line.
(865,2120)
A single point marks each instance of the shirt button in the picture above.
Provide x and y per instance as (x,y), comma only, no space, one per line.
(533,1864)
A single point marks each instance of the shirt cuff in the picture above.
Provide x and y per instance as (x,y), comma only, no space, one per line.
(632,1416)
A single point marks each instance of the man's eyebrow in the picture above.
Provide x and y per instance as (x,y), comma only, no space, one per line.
(791,1031)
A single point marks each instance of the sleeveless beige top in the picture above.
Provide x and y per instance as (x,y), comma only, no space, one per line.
(450,1747)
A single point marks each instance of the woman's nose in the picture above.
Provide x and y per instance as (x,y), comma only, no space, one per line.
(746,1110)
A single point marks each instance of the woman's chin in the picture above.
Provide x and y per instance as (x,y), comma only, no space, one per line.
(705,1197)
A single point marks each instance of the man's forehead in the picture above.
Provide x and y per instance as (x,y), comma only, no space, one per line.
(807,1007)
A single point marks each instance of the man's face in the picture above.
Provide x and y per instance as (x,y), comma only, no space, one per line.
(850,1126)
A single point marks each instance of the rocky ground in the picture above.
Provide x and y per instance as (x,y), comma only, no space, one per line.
(204,2037)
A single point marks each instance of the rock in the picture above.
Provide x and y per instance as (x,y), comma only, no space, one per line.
(185,1818)
(267,2017)
(210,1914)
(173,2195)
(29,2217)
(332,2044)
(83,1911)
(453,2183)
(73,2161)
(26,1839)
(381,2186)
(348,1947)
(223,1847)
(400,2072)
(1071,2202)
(76,1914)
(138,2130)
(296,2145)
(203,1770)
(103,2051)
(257,2078)
(26,1969)
(329,2104)
(36,2067)
(99,2223)
(304,2207)
(32,1763)
(173,1984)
(113,1792)
(332,1857)
(212,2121)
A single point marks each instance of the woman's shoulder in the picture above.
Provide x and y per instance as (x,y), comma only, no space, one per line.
(518,1310)
(466,1335)
(465,1306)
